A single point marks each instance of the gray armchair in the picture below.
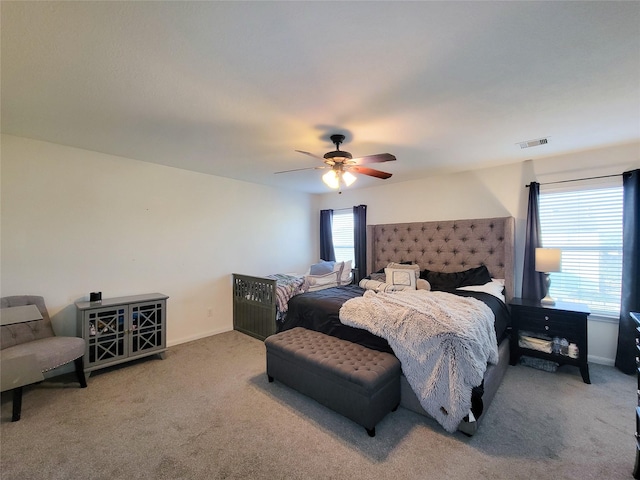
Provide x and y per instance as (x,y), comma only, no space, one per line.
(32,345)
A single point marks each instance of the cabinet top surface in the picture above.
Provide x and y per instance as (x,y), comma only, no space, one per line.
(110,302)
(559,306)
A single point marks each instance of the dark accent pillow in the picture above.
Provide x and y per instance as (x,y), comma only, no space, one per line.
(450,281)
(321,268)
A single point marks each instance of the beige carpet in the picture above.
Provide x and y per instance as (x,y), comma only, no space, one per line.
(208,412)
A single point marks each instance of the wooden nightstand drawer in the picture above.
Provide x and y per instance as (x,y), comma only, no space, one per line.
(549,323)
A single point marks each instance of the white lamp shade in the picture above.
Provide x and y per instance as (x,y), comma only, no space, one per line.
(331,179)
(348,178)
(548,259)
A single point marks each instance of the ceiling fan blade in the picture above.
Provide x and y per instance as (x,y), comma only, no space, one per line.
(299,169)
(369,171)
(310,154)
(378,158)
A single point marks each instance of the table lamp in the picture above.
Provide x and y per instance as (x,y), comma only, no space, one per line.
(548,260)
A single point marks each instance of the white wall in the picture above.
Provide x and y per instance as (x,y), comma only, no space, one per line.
(75,221)
(493,192)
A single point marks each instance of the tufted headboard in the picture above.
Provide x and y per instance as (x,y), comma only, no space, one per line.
(446,246)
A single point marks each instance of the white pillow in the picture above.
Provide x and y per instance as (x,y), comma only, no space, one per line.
(345,277)
(401,276)
(319,282)
(378,286)
(409,266)
(495,287)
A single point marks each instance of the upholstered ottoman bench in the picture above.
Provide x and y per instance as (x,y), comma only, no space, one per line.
(357,382)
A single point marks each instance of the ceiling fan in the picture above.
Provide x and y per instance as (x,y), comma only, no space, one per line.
(342,164)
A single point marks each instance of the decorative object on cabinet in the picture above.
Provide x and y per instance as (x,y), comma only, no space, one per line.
(557,333)
(121,329)
(548,260)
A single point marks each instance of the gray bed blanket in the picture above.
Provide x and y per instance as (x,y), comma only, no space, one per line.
(443,341)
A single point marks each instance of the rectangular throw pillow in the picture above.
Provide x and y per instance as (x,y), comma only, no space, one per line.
(321,268)
(451,281)
(320,282)
(401,276)
(408,266)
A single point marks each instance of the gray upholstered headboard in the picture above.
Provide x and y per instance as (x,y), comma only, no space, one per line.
(446,246)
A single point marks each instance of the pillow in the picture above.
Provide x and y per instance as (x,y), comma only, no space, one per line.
(451,281)
(495,288)
(422,284)
(319,282)
(345,276)
(401,277)
(408,266)
(321,267)
(378,277)
(377,286)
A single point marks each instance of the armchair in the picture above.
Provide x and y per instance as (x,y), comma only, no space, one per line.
(30,348)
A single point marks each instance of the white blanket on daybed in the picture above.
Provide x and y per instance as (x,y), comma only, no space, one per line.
(443,341)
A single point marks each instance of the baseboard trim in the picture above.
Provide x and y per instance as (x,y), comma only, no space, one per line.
(197,337)
(601,360)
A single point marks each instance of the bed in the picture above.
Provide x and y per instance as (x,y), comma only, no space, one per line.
(442,246)
(259,303)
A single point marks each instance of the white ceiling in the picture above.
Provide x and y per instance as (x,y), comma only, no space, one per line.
(233,88)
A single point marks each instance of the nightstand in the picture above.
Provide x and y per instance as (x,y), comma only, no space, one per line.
(546,322)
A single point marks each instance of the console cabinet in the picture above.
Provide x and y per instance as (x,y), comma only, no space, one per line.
(121,329)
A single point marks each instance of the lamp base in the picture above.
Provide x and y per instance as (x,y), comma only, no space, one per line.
(548,301)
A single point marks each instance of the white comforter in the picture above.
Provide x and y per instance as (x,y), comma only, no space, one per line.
(443,341)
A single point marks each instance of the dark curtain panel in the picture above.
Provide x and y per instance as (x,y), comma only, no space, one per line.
(360,241)
(630,295)
(326,236)
(533,285)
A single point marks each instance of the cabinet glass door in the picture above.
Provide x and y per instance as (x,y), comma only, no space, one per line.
(106,329)
(147,332)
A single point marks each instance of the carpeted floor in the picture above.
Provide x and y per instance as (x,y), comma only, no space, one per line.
(208,412)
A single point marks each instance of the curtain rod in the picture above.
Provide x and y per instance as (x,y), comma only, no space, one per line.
(577,179)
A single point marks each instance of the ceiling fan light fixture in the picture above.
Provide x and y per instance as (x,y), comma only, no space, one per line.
(331,179)
(348,178)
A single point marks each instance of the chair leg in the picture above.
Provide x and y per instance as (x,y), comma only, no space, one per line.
(80,372)
(17,404)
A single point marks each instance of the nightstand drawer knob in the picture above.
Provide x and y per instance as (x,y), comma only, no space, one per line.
(546,327)
(546,317)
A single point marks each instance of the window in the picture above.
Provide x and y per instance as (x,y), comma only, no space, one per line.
(586,224)
(343,239)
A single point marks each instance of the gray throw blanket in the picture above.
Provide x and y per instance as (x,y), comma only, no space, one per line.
(443,341)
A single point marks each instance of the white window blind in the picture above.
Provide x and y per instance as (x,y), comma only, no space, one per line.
(586,225)
(343,238)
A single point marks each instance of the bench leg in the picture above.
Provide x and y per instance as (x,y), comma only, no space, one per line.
(80,372)
(17,404)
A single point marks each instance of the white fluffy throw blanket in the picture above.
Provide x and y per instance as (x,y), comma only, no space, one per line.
(443,341)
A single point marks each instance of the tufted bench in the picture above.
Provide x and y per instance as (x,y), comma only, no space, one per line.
(357,382)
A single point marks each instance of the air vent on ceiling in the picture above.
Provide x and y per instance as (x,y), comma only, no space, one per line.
(534,143)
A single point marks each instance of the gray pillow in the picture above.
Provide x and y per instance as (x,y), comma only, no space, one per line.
(321,268)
